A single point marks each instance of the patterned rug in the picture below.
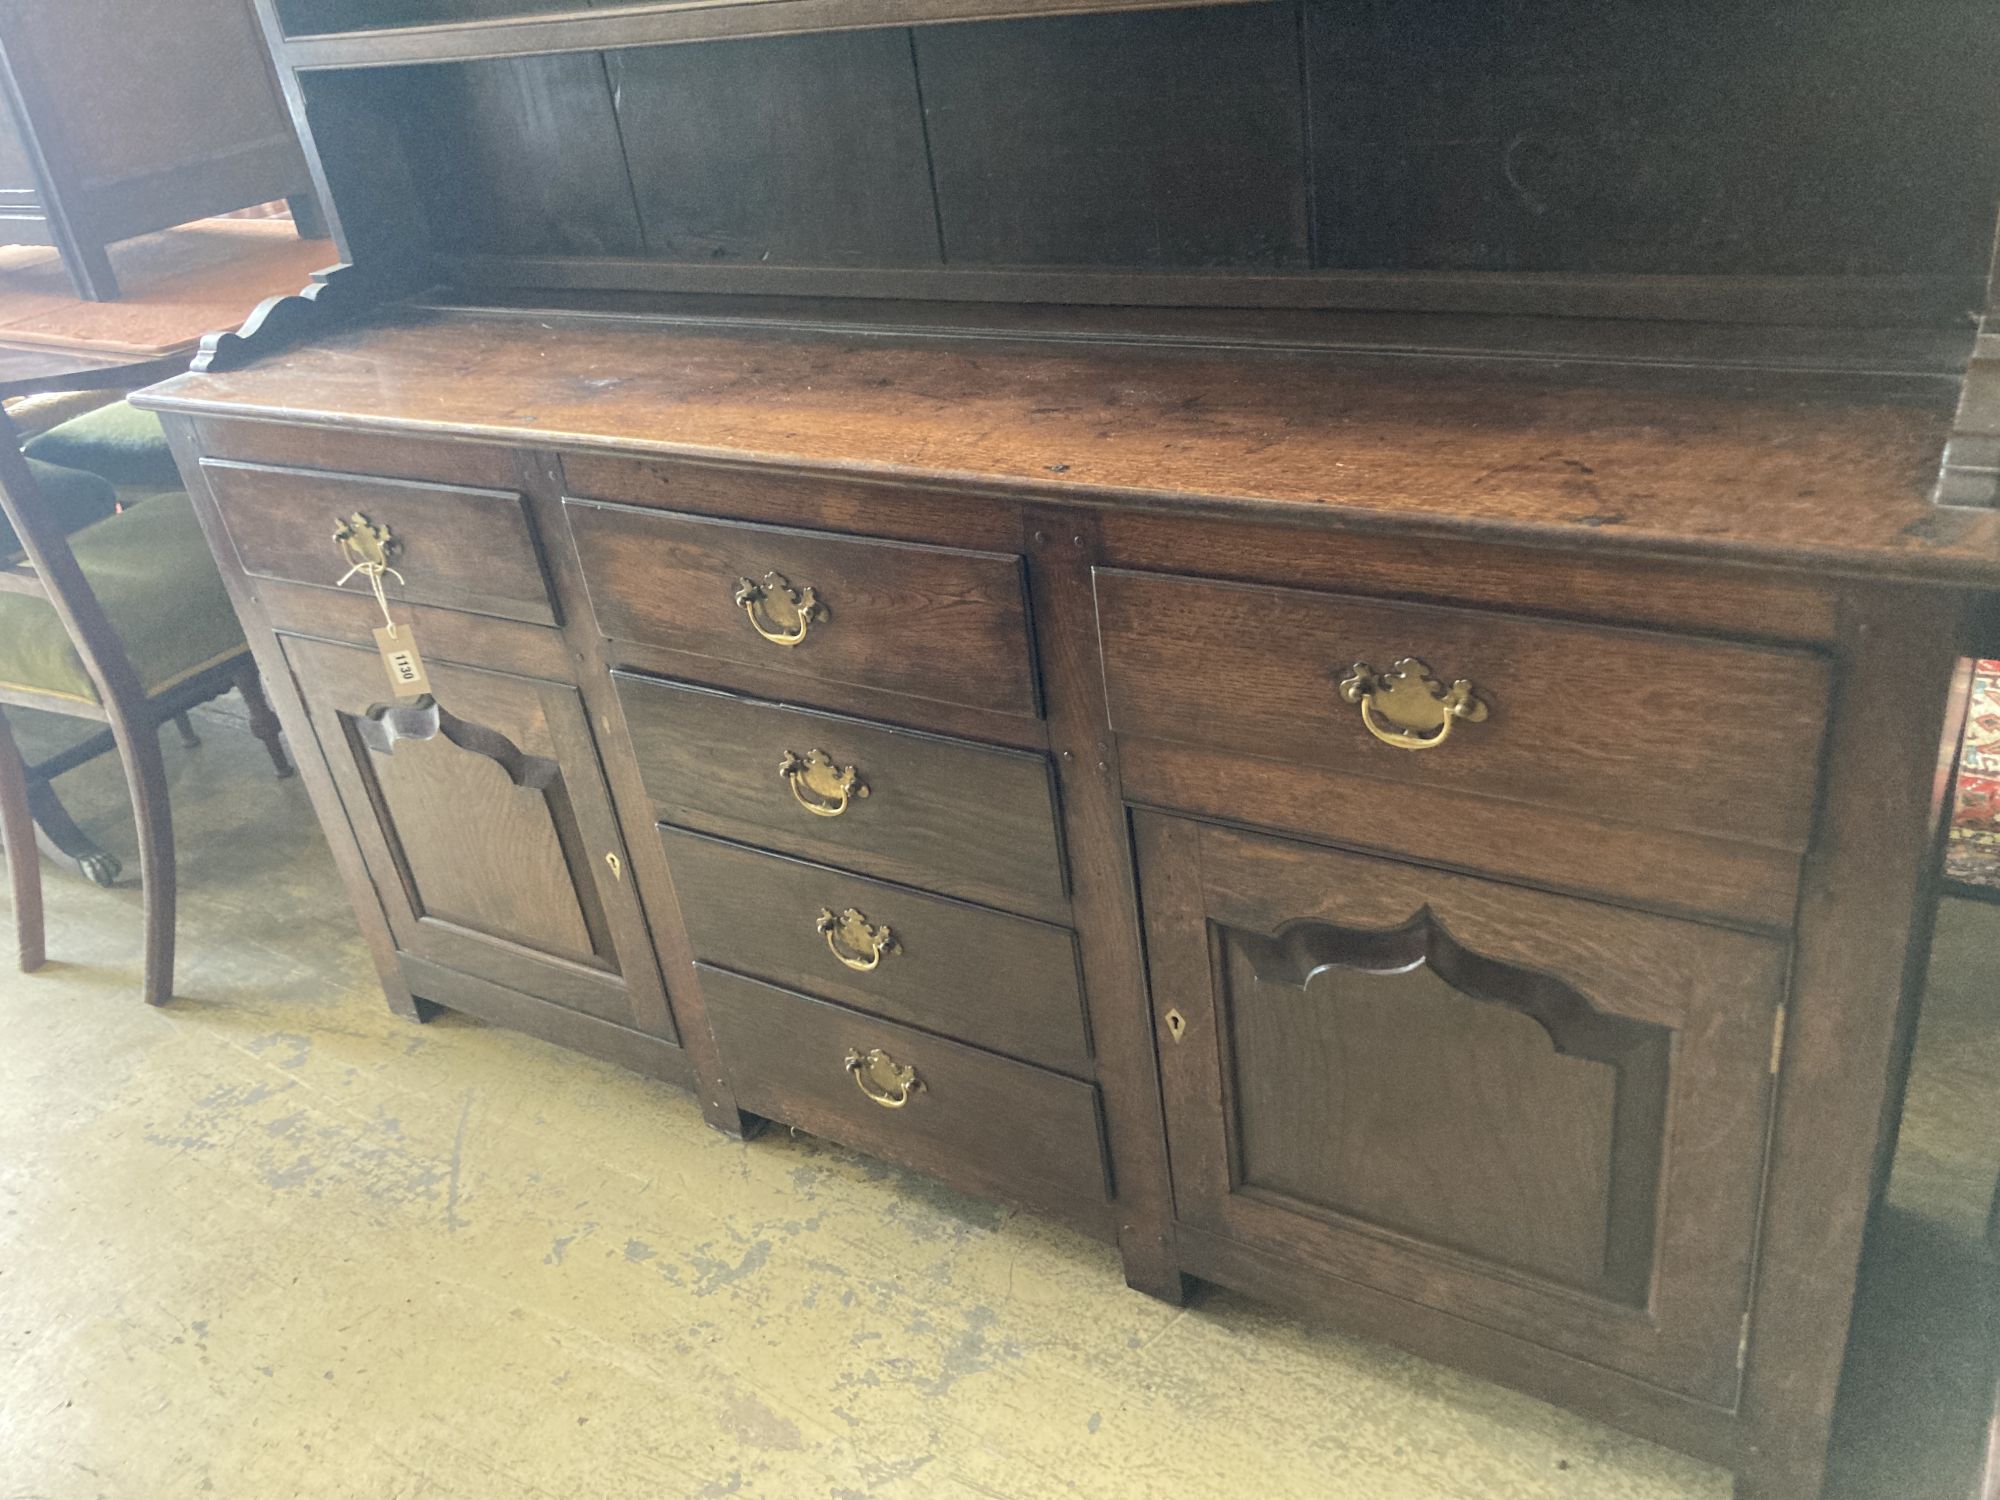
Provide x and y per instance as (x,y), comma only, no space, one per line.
(1974,853)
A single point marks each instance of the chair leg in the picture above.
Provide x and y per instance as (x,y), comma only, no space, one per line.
(24,860)
(146,777)
(263,723)
(66,842)
(188,737)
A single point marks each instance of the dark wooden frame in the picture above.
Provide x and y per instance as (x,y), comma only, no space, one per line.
(81,211)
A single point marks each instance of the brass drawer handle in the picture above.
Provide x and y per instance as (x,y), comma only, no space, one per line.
(854,941)
(818,785)
(778,612)
(878,1075)
(366,548)
(1407,707)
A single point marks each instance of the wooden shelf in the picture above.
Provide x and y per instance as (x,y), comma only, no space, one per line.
(656,25)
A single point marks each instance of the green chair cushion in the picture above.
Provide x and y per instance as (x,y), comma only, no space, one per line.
(151,570)
(72,498)
(124,444)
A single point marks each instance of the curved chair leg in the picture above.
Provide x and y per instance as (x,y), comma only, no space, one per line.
(66,843)
(24,860)
(146,777)
(263,722)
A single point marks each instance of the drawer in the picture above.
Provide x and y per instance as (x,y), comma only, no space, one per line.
(936,623)
(1630,726)
(972,821)
(458,547)
(983,1123)
(1000,982)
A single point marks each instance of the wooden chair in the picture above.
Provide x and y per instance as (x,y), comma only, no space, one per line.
(125,623)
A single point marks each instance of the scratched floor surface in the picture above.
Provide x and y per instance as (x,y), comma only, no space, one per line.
(274,1242)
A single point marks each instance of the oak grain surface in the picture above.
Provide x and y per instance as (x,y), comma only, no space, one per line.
(1752,465)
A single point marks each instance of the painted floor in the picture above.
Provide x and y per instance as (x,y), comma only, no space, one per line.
(275,1242)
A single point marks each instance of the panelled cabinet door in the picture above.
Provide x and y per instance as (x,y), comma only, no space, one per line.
(487,828)
(1535,1113)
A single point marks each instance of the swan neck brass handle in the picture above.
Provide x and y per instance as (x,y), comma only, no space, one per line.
(778,612)
(878,1075)
(1406,707)
(367,548)
(821,787)
(854,940)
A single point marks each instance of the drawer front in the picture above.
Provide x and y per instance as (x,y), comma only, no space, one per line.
(935,623)
(1630,726)
(969,820)
(980,976)
(458,547)
(982,1123)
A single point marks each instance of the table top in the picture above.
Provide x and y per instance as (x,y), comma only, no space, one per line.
(180,285)
(1796,469)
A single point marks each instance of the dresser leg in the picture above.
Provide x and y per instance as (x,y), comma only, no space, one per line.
(403,1003)
(1152,1267)
(732,1121)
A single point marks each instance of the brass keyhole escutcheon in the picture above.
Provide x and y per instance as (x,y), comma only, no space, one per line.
(852,939)
(1406,707)
(1176,1025)
(821,787)
(778,612)
(615,865)
(878,1075)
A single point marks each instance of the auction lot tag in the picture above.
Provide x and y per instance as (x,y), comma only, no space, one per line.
(398,645)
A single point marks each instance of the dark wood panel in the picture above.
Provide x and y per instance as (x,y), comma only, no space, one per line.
(929,622)
(981,1122)
(311,17)
(1741,602)
(457,547)
(129,91)
(982,977)
(643,24)
(971,821)
(384,455)
(483,820)
(957,720)
(1543,845)
(520,156)
(806,150)
(443,635)
(1820,473)
(1154,139)
(823,502)
(1637,136)
(518,1011)
(1663,731)
(1685,1015)
(1395,1099)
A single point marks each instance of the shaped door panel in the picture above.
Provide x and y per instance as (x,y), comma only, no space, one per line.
(484,819)
(1536,1113)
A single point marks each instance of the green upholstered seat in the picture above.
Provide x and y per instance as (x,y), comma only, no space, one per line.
(72,498)
(127,446)
(151,570)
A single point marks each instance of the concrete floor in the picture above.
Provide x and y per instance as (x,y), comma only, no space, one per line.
(275,1242)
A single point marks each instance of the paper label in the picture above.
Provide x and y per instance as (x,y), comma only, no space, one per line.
(399,655)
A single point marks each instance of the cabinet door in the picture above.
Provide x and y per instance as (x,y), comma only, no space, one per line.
(1535,1113)
(485,823)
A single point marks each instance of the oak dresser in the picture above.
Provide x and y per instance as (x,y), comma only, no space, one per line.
(1324,639)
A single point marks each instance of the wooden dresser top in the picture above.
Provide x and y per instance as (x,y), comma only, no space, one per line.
(1794,467)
